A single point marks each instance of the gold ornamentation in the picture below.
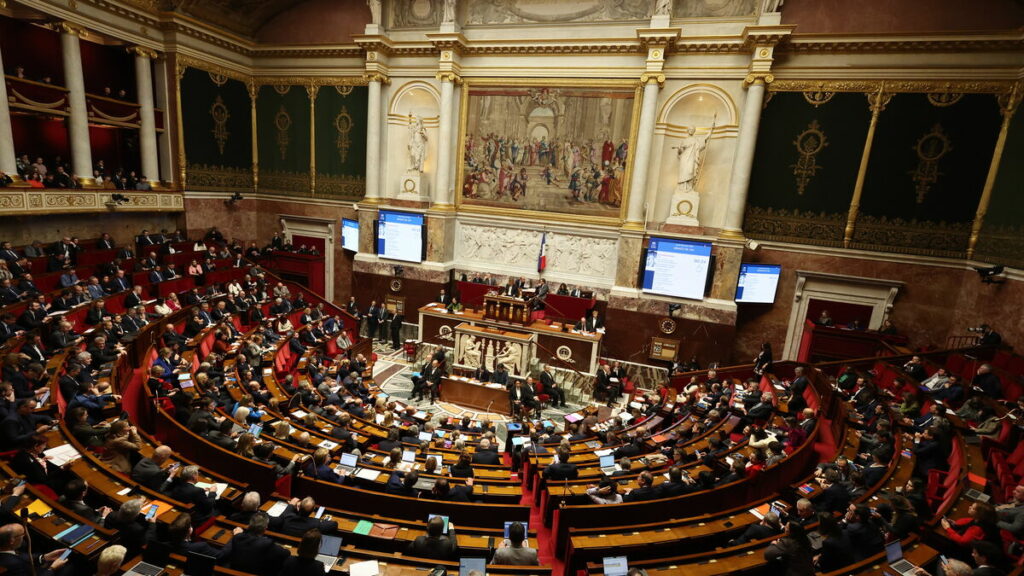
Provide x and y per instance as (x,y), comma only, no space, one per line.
(203,177)
(343,187)
(758,78)
(96,112)
(817,97)
(190,62)
(377,77)
(930,149)
(817,228)
(667,325)
(649,77)
(944,99)
(218,79)
(35,103)
(808,144)
(343,124)
(684,208)
(70,29)
(927,238)
(287,183)
(283,122)
(281,89)
(142,51)
(220,114)
(894,86)
(1003,244)
(344,90)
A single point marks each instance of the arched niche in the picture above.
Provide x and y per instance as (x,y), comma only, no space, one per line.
(414,99)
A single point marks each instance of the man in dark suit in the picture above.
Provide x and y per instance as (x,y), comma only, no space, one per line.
(372,320)
(150,472)
(14,562)
(444,298)
(769,526)
(443,490)
(562,469)
(520,397)
(576,292)
(8,293)
(22,425)
(250,550)
(988,381)
(594,321)
(500,375)
(33,317)
(763,409)
(551,388)
(929,453)
(297,518)
(184,489)
(435,544)
(834,497)
(677,483)
(645,491)
(485,454)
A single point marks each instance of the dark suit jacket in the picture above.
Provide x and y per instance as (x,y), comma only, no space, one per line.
(295,524)
(641,494)
(19,564)
(202,501)
(561,471)
(147,473)
(441,548)
(256,554)
(487,457)
(835,498)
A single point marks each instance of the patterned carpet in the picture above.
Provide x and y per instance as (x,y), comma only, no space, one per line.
(393,373)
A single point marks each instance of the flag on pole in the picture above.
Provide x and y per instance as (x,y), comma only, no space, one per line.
(542,261)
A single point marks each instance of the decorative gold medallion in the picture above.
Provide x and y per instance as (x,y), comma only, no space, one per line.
(930,149)
(684,208)
(283,122)
(808,144)
(564,353)
(343,124)
(818,97)
(219,113)
(344,90)
(218,79)
(396,285)
(667,325)
(944,99)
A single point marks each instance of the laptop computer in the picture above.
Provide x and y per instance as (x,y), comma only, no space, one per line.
(425,436)
(144,569)
(425,484)
(526,529)
(256,430)
(894,556)
(615,566)
(349,462)
(199,564)
(608,466)
(408,460)
(472,566)
(328,553)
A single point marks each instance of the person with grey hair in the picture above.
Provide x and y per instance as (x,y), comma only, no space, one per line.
(252,551)
(184,489)
(247,508)
(133,528)
(110,560)
(13,561)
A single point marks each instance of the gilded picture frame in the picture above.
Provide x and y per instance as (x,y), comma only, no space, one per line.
(558,150)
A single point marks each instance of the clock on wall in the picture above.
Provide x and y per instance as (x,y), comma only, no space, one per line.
(667,325)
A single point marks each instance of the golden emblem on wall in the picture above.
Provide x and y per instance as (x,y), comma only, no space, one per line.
(282,121)
(944,99)
(343,124)
(930,149)
(808,144)
(344,90)
(219,113)
(818,97)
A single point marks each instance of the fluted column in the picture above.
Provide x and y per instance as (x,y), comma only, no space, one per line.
(373,111)
(642,155)
(739,181)
(78,122)
(147,115)
(442,183)
(8,158)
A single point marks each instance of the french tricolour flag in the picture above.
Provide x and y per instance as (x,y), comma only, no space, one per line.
(542,261)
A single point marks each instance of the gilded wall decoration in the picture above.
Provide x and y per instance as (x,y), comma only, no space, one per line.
(489,12)
(220,114)
(31,201)
(218,79)
(930,148)
(1002,244)
(808,144)
(219,178)
(344,90)
(943,99)
(547,149)
(340,186)
(343,124)
(818,97)
(818,228)
(283,122)
(928,238)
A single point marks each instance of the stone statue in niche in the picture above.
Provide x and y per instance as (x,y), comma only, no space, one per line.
(448,13)
(690,156)
(417,144)
(375,11)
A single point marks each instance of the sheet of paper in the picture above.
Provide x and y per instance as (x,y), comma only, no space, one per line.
(277,509)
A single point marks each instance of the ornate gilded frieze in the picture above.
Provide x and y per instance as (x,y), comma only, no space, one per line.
(1001,244)
(942,239)
(893,86)
(343,125)
(340,186)
(203,177)
(817,228)
(289,183)
(15,202)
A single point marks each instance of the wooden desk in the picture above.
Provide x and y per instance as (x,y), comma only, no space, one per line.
(475,395)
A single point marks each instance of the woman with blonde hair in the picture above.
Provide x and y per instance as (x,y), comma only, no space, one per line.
(245,444)
(110,560)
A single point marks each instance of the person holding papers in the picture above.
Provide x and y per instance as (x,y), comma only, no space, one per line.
(184,489)
(32,463)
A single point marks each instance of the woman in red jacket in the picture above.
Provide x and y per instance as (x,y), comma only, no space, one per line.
(980,524)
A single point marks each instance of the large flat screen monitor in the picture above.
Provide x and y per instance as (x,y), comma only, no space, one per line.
(400,236)
(676,268)
(757,283)
(350,234)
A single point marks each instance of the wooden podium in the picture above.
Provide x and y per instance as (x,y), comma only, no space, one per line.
(507,309)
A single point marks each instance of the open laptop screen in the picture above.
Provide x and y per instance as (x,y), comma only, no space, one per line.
(893,551)
(607,461)
(349,459)
(330,545)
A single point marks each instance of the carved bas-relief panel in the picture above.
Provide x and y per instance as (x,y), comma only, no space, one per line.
(547,11)
(515,251)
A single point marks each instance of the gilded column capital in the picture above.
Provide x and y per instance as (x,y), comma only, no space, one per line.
(142,51)
(877,101)
(377,77)
(758,78)
(71,29)
(653,77)
(449,77)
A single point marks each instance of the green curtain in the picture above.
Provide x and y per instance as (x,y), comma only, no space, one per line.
(283,125)
(217,124)
(341,141)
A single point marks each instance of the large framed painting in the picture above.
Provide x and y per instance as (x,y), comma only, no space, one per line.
(556,150)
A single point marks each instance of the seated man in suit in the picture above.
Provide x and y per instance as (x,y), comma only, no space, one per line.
(250,550)
(562,469)
(646,490)
(486,454)
(520,397)
(14,561)
(551,388)
(297,518)
(514,551)
(435,544)
(184,489)
(770,525)
(151,473)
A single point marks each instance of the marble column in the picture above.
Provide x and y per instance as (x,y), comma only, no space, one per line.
(642,157)
(373,140)
(442,182)
(739,182)
(8,158)
(78,122)
(161,101)
(147,116)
